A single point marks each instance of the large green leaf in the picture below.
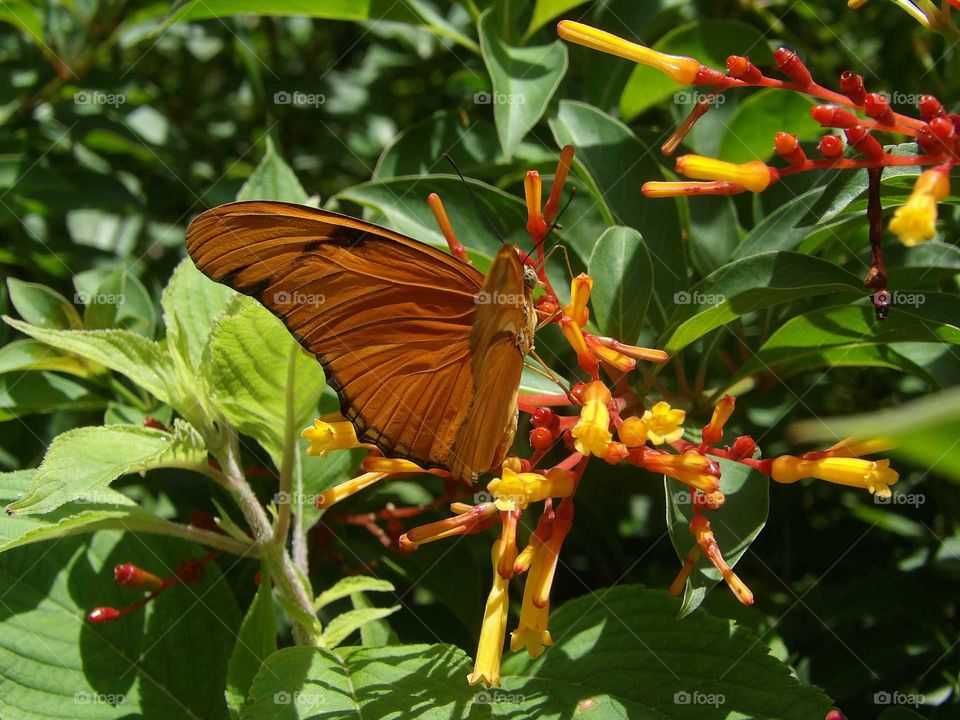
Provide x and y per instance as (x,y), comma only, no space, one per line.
(735,526)
(546,10)
(617,163)
(248,367)
(422,681)
(273,179)
(749,133)
(623,281)
(42,306)
(709,41)
(32,392)
(623,653)
(256,641)
(168,660)
(80,463)
(523,78)
(140,359)
(756,282)
(35,355)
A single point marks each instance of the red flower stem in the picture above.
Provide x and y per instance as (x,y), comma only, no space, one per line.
(862,163)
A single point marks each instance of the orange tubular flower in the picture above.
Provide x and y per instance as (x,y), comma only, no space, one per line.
(755,175)
(592,434)
(682,69)
(533,190)
(713,431)
(486,668)
(477,518)
(577,310)
(327,436)
(348,488)
(700,528)
(691,468)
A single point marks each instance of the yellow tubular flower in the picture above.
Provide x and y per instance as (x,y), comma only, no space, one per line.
(632,432)
(713,432)
(515,490)
(754,175)
(348,488)
(486,669)
(691,468)
(915,221)
(391,465)
(663,423)
(591,434)
(327,436)
(682,69)
(531,632)
(579,295)
(875,476)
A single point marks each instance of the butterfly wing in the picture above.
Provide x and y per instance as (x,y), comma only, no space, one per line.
(388,317)
(501,336)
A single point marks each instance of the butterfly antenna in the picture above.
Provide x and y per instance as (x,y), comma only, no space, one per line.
(483,213)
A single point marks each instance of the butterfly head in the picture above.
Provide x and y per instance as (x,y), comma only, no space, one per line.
(530,278)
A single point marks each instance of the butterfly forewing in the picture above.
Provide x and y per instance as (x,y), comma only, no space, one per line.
(388,317)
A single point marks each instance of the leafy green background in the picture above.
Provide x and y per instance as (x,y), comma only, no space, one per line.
(121,121)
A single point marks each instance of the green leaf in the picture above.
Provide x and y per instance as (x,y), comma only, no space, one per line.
(623,280)
(623,653)
(115,299)
(142,360)
(256,641)
(192,303)
(24,16)
(735,526)
(852,325)
(546,10)
(749,133)
(149,664)
(925,430)
(41,306)
(781,229)
(427,682)
(756,282)
(616,163)
(340,628)
(524,79)
(80,463)
(710,42)
(35,355)
(345,587)
(246,368)
(273,180)
(30,392)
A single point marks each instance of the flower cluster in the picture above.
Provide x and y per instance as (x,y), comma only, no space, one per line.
(854,112)
(599,418)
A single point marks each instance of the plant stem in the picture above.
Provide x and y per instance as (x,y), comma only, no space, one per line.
(282,528)
(198,535)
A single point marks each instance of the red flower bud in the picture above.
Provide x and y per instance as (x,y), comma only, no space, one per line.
(864,142)
(103,614)
(543,417)
(189,571)
(792,66)
(832,116)
(878,107)
(942,129)
(789,148)
(930,107)
(852,86)
(928,142)
(743,447)
(576,392)
(741,68)
(152,423)
(831,146)
(129,575)
(541,438)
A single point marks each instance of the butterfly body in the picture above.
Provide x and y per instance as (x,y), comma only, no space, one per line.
(423,350)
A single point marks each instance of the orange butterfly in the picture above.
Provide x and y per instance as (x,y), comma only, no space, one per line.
(424,352)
